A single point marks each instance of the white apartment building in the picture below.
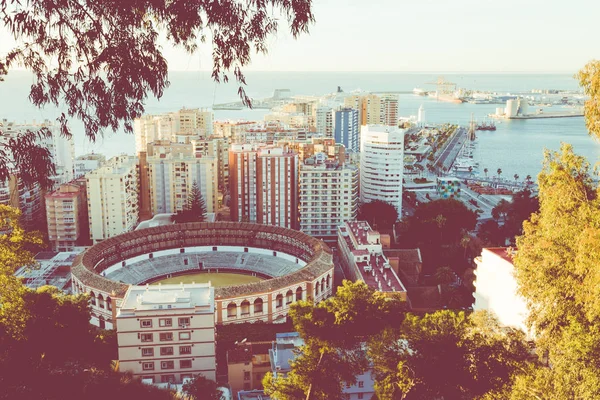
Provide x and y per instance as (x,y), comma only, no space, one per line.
(172,170)
(496,288)
(179,126)
(382,164)
(166,333)
(87,163)
(62,149)
(328,196)
(112,193)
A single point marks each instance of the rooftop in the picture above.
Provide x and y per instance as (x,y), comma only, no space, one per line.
(145,298)
(506,253)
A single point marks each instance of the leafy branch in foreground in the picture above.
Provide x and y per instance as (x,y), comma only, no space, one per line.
(102,58)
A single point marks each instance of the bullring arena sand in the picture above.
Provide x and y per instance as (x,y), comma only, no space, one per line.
(217,280)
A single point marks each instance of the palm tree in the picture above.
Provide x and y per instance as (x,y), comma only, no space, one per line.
(499,171)
(528,180)
(516,176)
(485,171)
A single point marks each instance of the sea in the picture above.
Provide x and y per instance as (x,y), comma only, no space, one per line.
(517,146)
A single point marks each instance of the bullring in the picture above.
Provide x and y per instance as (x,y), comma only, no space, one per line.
(294,267)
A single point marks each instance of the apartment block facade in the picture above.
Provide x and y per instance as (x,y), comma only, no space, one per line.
(66,214)
(328,196)
(382,164)
(263,185)
(113,198)
(166,333)
(347,129)
(178,126)
(87,163)
(172,169)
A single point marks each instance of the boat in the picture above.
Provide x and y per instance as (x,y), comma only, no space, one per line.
(486,126)
(451,97)
(419,92)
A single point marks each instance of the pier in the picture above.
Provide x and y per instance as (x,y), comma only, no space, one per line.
(540,115)
(453,147)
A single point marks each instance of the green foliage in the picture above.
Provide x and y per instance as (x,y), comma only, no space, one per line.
(557,269)
(438,229)
(201,388)
(446,355)
(379,214)
(334,332)
(194,209)
(512,215)
(589,80)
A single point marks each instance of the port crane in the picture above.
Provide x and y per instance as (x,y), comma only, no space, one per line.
(443,86)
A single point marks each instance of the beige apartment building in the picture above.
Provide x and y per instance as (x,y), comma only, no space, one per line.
(263,185)
(308,148)
(166,333)
(171,170)
(113,198)
(247,365)
(66,214)
(374,109)
(328,196)
(218,148)
(179,126)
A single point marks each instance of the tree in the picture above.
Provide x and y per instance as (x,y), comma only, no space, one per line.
(444,276)
(499,172)
(379,214)
(446,355)
(202,388)
(194,209)
(589,80)
(103,59)
(516,176)
(556,267)
(485,171)
(334,332)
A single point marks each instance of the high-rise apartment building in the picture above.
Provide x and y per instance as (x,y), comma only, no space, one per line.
(88,163)
(180,127)
(166,333)
(374,109)
(308,148)
(328,196)
(172,169)
(346,128)
(113,199)
(218,148)
(62,149)
(323,121)
(66,214)
(382,164)
(28,199)
(263,185)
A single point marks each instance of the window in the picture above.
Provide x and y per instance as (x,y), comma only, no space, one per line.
(166,336)
(165,322)
(279,301)
(146,323)
(185,349)
(185,363)
(167,378)
(147,352)
(166,351)
(246,375)
(148,366)
(185,336)
(146,337)
(360,396)
(167,364)
(361,384)
(246,385)
(184,322)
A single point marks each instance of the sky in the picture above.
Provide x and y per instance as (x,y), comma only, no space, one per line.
(426,36)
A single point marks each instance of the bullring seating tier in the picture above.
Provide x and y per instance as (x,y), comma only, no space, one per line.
(147,270)
(88,267)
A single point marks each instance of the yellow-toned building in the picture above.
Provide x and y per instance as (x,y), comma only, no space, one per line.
(166,333)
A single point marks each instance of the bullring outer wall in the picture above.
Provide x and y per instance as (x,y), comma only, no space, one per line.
(313,281)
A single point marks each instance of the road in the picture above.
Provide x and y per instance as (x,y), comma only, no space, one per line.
(450,152)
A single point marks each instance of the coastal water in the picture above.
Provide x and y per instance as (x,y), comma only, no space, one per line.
(516,146)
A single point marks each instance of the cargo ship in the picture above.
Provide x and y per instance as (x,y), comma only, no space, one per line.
(453,97)
(486,127)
